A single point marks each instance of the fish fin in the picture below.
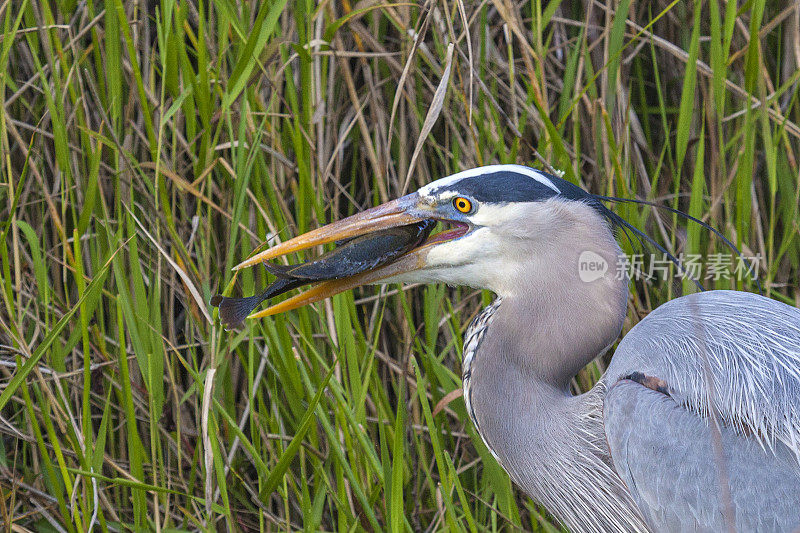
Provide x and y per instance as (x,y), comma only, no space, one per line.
(279,271)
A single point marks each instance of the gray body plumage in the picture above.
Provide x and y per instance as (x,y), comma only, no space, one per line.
(732,362)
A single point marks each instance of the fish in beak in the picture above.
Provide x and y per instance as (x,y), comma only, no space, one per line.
(374,245)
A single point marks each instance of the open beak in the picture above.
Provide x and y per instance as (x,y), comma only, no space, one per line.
(382,242)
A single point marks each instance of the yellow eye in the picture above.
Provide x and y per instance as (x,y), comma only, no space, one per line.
(462,204)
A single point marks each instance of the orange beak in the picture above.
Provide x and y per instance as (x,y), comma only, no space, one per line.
(401,212)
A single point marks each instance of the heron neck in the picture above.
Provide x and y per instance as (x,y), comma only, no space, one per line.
(554,328)
(552,443)
(530,346)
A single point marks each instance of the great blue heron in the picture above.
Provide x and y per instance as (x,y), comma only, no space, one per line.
(694,426)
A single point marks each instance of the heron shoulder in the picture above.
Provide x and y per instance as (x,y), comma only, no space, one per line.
(732,353)
(674,466)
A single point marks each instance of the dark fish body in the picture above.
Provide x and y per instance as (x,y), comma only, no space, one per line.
(358,254)
(352,257)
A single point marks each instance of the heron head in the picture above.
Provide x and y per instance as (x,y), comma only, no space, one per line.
(494,220)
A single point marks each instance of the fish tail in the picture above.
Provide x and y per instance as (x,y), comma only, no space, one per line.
(233,311)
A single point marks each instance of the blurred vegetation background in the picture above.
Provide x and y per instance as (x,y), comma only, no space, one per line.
(148,146)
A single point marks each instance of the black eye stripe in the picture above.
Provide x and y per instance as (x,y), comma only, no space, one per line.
(507,186)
